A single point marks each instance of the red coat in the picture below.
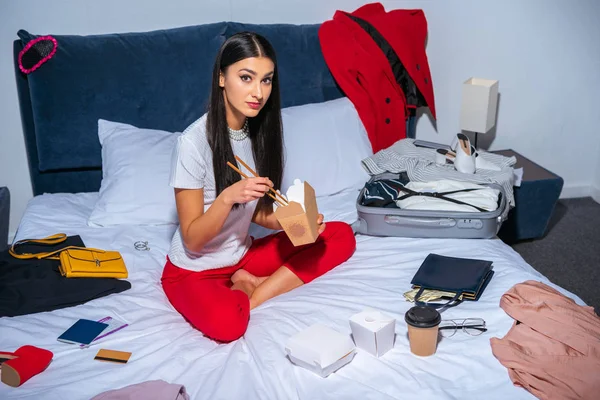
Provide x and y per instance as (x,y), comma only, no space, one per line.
(378,58)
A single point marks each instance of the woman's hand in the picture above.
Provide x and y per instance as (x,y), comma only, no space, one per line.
(321,223)
(247,190)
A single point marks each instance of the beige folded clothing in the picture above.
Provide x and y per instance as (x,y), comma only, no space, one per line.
(554,352)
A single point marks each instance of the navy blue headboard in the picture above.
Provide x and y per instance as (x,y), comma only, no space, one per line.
(156,80)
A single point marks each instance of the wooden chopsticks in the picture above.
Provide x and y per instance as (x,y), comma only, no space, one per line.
(276,193)
(280,200)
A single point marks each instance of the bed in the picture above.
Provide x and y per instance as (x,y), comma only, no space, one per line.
(60,106)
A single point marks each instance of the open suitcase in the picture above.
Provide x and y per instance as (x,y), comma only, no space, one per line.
(429,224)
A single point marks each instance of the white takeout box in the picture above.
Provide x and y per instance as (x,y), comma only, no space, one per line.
(320,349)
(373,331)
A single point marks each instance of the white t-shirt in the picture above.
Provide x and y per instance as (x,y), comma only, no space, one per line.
(192,168)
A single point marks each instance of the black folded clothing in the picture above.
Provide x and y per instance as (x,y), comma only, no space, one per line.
(32,286)
(383,193)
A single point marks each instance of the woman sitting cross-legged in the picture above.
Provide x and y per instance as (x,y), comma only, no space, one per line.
(215,272)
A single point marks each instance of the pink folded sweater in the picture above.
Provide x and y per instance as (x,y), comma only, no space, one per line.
(149,390)
(553,349)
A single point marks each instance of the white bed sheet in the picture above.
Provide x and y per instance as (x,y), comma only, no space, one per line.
(165,346)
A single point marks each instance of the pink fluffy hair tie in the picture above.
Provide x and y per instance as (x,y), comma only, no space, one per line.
(37,52)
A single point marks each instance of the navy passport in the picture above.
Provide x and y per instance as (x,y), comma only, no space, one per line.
(83,331)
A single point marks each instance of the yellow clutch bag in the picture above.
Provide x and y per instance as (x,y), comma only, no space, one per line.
(83,262)
(78,262)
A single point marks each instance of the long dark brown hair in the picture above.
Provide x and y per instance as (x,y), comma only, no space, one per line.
(266,131)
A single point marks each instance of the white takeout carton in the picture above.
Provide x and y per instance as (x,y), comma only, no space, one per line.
(373,331)
(320,349)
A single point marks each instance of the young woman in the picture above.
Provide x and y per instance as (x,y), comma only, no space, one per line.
(215,272)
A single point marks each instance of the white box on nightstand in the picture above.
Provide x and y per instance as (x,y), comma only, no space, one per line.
(373,331)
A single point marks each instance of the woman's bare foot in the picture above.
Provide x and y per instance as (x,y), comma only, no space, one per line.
(245,286)
(242,275)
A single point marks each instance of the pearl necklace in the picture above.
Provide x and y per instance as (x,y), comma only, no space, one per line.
(239,134)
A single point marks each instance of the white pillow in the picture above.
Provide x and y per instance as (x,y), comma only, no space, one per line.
(324,145)
(136,165)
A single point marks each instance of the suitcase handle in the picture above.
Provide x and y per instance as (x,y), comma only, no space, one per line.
(412,221)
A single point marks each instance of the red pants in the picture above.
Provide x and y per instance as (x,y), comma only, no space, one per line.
(205,299)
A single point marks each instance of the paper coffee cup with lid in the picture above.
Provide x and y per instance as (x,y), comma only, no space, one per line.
(423,326)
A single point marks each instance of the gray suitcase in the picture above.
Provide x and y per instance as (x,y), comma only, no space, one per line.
(429,224)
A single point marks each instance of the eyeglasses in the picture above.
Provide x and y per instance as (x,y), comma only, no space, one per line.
(471,326)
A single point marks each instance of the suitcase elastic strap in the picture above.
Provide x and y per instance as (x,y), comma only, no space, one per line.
(441,195)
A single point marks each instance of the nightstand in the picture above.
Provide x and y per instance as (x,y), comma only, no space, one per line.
(534,201)
(4,217)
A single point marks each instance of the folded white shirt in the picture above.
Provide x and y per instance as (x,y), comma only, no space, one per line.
(484,197)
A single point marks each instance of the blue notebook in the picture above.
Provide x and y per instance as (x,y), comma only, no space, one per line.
(82,332)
